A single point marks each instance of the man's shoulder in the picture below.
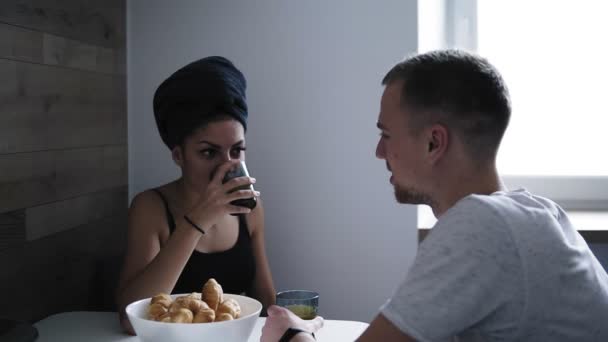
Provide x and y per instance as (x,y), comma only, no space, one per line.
(483,218)
(473,209)
(514,215)
(502,206)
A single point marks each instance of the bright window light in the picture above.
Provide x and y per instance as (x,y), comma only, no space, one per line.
(554,58)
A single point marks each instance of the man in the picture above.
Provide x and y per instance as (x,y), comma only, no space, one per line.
(498,265)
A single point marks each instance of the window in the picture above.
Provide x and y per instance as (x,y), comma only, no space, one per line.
(553,56)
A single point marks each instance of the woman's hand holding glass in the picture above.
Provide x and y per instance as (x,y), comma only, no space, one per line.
(215,201)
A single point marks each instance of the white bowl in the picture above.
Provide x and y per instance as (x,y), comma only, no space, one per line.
(237,330)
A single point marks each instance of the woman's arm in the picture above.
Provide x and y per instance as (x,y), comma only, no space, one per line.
(149,269)
(263,287)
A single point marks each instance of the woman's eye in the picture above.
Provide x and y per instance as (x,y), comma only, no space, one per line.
(236,152)
(208,153)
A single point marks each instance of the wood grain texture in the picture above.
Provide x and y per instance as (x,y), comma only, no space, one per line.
(63,215)
(96,22)
(47,108)
(74,54)
(63,154)
(20,44)
(12,229)
(31,179)
(25,45)
(59,272)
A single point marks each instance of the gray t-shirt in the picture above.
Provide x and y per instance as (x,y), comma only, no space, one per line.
(504,267)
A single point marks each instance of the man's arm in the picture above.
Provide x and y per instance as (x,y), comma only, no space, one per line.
(381,329)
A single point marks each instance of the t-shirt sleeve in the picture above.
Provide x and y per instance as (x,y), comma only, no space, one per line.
(464,271)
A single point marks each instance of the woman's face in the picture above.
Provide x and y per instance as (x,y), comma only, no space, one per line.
(207,148)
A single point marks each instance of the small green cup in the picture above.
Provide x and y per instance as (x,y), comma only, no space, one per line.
(303,303)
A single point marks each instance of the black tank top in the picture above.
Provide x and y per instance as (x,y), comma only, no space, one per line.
(234,268)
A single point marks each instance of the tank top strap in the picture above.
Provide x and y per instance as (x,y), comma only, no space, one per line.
(170,219)
(243,230)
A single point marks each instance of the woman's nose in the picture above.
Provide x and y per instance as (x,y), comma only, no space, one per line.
(226,157)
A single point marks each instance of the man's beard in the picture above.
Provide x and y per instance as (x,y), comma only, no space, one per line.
(407,195)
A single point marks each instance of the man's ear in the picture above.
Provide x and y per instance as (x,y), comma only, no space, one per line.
(178,155)
(438,141)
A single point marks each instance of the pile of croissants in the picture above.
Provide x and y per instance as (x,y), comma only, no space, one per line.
(207,306)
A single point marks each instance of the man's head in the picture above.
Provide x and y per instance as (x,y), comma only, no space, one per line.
(440,111)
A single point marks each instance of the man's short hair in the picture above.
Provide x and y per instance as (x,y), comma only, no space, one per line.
(458,89)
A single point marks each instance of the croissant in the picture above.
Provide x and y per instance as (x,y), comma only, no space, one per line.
(212,293)
(166,317)
(175,306)
(207,306)
(181,316)
(205,315)
(224,317)
(156,310)
(195,295)
(231,307)
(190,303)
(162,299)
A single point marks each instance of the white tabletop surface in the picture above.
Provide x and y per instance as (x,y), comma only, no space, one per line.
(87,326)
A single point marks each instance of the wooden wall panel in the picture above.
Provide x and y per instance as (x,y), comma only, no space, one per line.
(48,108)
(32,179)
(115,165)
(74,54)
(63,154)
(56,217)
(98,22)
(26,178)
(58,273)
(12,229)
(21,44)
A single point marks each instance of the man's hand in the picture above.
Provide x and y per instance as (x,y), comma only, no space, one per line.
(280,319)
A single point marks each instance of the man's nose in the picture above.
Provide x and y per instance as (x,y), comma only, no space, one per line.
(380,153)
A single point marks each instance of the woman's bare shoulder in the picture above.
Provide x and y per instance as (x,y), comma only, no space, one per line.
(148,199)
(147,211)
(151,198)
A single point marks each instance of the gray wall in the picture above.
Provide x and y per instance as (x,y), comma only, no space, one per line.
(314,70)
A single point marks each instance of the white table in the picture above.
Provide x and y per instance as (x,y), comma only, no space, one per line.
(88,326)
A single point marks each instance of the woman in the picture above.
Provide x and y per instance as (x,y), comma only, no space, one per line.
(185,232)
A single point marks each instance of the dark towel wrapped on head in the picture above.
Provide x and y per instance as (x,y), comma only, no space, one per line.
(196,94)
